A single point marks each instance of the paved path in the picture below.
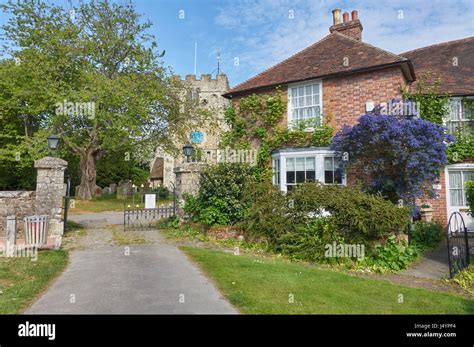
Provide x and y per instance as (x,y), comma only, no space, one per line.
(151,278)
(433,265)
(95,220)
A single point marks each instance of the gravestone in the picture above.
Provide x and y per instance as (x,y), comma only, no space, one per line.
(113,188)
(124,189)
(98,191)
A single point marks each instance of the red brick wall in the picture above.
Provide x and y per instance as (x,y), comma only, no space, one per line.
(344,101)
(439,204)
(344,98)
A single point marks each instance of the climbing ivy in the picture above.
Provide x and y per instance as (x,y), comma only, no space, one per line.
(461,148)
(434,106)
(257,122)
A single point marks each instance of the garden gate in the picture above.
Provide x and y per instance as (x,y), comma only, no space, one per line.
(139,217)
(458,244)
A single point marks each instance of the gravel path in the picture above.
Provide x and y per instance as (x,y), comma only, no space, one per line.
(131,279)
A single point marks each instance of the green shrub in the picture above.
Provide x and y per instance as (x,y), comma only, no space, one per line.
(221,199)
(356,217)
(393,255)
(359,217)
(308,242)
(465,279)
(213,216)
(267,216)
(470,196)
(427,234)
(169,223)
(162,192)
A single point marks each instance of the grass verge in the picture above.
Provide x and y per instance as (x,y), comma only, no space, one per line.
(258,285)
(22,280)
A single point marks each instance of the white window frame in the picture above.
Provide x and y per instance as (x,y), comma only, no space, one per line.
(456,168)
(447,119)
(290,106)
(319,154)
(276,169)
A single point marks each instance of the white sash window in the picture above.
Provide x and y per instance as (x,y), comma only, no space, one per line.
(305,103)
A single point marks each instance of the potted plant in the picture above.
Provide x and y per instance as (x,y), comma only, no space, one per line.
(426,212)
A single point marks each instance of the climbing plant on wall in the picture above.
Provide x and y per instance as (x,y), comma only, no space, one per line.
(434,106)
(256,121)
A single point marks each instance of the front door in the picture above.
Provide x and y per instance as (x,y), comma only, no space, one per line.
(457,176)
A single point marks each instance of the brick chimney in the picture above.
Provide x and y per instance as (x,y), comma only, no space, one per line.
(352,28)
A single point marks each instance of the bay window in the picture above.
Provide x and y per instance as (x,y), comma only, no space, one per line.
(293,166)
(332,170)
(276,172)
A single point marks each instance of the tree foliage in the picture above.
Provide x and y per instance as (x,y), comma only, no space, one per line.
(400,157)
(99,53)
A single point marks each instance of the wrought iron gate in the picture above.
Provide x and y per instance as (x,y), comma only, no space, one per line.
(146,218)
(458,244)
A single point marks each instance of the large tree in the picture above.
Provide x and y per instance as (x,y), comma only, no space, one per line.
(93,75)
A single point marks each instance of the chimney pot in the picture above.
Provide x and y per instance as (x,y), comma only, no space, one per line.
(345,17)
(336,16)
(355,15)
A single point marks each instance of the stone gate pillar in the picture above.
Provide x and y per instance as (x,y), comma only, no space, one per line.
(50,190)
(187,181)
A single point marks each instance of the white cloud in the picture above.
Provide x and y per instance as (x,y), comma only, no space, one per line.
(262,34)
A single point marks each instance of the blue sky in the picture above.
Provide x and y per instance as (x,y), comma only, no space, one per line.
(259,33)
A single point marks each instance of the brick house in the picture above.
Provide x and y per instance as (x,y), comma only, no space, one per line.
(341,77)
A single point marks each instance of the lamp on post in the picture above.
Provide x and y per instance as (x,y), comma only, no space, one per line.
(53,142)
(188,150)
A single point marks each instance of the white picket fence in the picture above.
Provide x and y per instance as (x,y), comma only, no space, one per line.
(36,230)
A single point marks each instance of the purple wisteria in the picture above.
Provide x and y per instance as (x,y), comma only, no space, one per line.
(400,157)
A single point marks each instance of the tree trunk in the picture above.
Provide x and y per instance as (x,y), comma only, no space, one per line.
(87,168)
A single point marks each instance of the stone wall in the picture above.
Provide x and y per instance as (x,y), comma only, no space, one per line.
(187,180)
(50,190)
(19,203)
(46,200)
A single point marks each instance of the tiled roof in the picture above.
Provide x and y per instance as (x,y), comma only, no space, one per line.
(440,62)
(324,58)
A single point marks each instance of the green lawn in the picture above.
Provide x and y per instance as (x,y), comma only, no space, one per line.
(110,203)
(22,279)
(258,285)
